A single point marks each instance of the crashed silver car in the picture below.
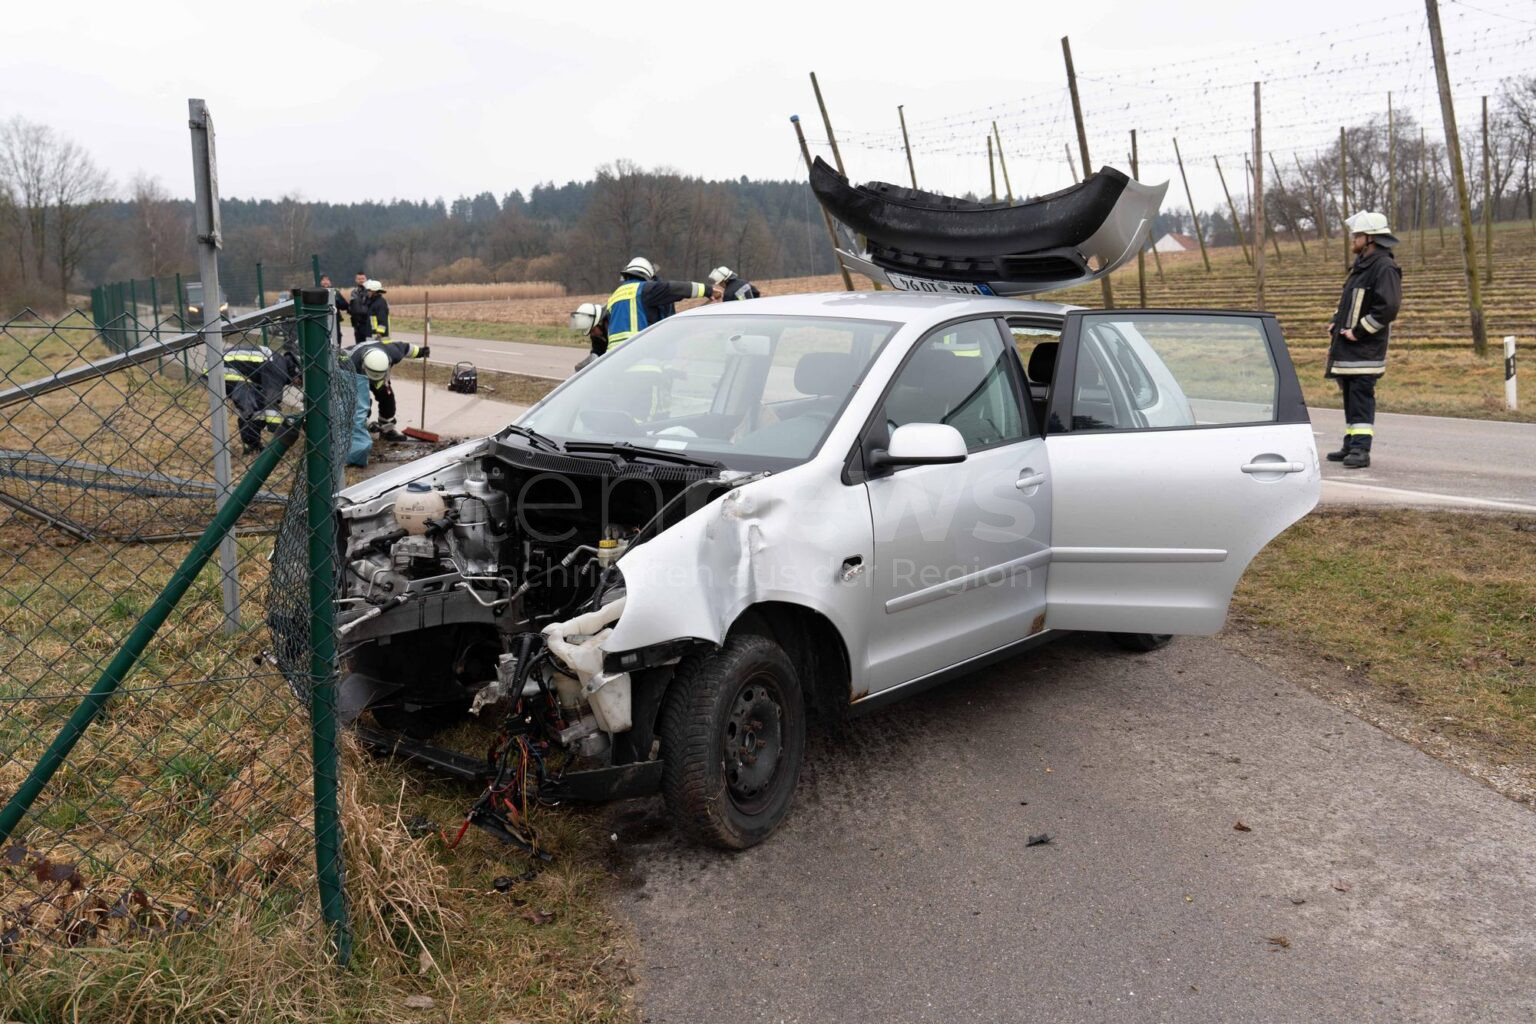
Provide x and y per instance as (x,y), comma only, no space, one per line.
(756,512)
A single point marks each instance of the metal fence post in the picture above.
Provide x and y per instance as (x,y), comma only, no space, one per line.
(261,298)
(314,267)
(205,176)
(133,302)
(313,311)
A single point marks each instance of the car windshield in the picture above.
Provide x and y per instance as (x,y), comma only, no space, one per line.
(762,388)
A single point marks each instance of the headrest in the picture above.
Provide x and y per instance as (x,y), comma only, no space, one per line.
(1042,362)
(825,373)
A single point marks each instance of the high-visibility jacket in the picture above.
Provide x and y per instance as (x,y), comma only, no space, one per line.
(1372,294)
(378,317)
(396,350)
(243,359)
(636,304)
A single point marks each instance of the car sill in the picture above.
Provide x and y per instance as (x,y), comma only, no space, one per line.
(901,691)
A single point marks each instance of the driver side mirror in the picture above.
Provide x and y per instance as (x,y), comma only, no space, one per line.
(919,444)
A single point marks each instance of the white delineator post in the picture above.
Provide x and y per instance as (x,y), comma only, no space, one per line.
(1511,400)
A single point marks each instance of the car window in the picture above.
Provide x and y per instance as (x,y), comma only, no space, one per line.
(960,376)
(1156,371)
(1028,336)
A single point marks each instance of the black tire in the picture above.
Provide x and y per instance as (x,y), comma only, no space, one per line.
(1141,643)
(722,708)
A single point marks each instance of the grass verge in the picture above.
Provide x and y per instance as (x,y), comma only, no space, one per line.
(1432,611)
(538,334)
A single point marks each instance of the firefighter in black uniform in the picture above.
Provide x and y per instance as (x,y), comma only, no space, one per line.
(725,286)
(254,379)
(1358,334)
(374,359)
(357,308)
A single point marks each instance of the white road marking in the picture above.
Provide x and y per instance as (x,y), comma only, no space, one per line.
(501,352)
(1458,499)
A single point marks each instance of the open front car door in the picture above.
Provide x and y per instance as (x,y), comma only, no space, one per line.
(1179,446)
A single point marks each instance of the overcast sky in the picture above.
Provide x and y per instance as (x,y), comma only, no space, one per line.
(413,99)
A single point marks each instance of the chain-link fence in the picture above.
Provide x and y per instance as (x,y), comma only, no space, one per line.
(163,627)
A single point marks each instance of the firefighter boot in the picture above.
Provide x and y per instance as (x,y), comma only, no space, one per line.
(1358,458)
(1338,456)
(387,431)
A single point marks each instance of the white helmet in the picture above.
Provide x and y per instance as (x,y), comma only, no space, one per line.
(372,285)
(376,364)
(587,314)
(720,275)
(640,267)
(1373,224)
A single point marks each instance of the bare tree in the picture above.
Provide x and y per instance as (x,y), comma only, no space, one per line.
(78,189)
(159,230)
(24,166)
(294,231)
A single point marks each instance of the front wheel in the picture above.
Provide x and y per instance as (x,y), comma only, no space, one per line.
(1141,643)
(733,738)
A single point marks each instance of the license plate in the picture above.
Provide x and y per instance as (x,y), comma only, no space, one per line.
(908,283)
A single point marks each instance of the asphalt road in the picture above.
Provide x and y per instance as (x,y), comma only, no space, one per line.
(1417,460)
(1376,883)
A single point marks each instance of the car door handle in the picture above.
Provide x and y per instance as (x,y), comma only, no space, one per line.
(1273,467)
(1028,479)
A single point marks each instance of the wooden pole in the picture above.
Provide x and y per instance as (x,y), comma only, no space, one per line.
(837,156)
(426,339)
(1003,163)
(1285,208)
(1418,217)
(1141,254)
(1258,199)
(1237,222)
(1487,204)
(991,169)
(805,153)
(907,143)
(1193,213)
(1391,210)
(1459,180)
(1434,173)
(1071,164)
(1344,194)
(1269,227)
(1082,145)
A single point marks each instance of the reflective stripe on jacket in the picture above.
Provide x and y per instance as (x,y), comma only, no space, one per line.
(1369,303)
(243,360)
(635,305)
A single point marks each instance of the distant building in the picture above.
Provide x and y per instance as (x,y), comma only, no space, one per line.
(1176,243)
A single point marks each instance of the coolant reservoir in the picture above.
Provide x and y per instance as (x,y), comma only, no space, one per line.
(417,504)
(568,687)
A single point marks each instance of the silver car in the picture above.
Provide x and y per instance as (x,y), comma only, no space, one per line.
(753,513)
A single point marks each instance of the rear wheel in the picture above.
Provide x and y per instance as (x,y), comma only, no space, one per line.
(1141,643)
(733,738)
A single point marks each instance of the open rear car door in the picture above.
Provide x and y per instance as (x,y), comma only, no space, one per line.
(1179,446)
(923,241)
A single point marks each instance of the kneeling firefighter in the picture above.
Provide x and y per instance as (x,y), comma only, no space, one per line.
(371,362)
(1359,331)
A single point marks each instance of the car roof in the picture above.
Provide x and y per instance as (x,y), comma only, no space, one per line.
(903,307)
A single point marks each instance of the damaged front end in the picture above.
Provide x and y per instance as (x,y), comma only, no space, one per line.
(484,581)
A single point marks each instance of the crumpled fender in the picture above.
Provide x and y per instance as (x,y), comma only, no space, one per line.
(782,538)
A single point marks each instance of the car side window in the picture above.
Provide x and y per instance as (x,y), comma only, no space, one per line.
(1158,371)
(962,375)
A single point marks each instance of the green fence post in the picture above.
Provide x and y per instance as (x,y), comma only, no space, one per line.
(314,267)
(133,303)
(96,307)
(181,324)
(138,640)
(312,308)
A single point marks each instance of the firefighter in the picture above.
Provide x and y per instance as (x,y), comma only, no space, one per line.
(725,286)
(588,319)
(1359,331)
(254,379)
(372,361)
(639,301)
(377,323)
(337,301)
(357,309)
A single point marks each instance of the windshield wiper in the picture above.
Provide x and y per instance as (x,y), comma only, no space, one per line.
(538,439)
(633,452)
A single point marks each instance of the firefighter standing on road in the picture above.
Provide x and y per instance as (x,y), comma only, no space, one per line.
(639,301)
(725,286)
(1358,334)
(377,322)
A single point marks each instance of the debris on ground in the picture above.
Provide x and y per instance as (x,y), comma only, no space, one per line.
(1043,839)
(538,917)
(419,1002)
(1240,827)
(1279,942)
(1342,887)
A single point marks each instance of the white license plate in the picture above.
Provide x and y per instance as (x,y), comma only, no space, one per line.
(908,283)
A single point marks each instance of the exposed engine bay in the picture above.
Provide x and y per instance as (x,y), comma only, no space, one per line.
(486,583)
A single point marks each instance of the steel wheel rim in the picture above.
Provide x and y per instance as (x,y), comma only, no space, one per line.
(752,743)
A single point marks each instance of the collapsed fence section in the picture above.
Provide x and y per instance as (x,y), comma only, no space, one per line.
(161,771)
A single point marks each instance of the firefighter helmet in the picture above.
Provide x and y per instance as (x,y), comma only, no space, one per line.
(1374,226)
(640,267)
(376,364)
(586,315)
(720,275)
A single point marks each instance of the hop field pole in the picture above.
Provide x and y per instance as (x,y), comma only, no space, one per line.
(1141,253)
(906,143)
(1071,164)
(1193,213)
(1459,181)
(1258,198)
(1487,204)
(991,169)
(1082,143)
(1285,208)
(314,325)
(1268,225)
(205,179)
(1237,222)
(837,158)
(1002,163)
(1418,214)
(805,153)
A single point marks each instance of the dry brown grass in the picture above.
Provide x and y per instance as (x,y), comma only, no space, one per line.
(414,294)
